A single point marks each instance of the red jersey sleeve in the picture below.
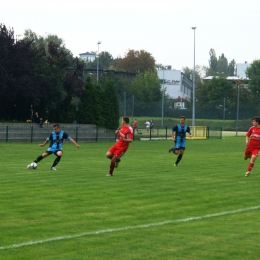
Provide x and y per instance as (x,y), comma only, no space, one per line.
(129,134)
(249,132)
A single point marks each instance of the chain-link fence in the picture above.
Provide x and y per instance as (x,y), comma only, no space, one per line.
(236,118)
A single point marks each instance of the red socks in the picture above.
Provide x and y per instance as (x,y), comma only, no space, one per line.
(250,167)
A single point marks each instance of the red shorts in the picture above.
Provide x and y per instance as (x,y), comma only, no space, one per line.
(117,151)
(251,151)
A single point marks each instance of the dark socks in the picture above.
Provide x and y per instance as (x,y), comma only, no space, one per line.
(38,159)
(56,161)
(178,158)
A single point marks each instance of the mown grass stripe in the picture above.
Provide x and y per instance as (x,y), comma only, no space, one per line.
(127,228)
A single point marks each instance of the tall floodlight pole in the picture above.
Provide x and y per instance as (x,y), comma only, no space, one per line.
(238,93)
(193,84)
(224,112)
(163,99)
(98,57)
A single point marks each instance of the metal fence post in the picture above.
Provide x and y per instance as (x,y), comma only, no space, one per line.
(6,137)
(76,134)
(96,133)
(31,134)
(166,133)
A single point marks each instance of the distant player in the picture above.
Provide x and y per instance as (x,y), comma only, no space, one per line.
(56,140)
(252,143)
(151,125)
(125,136)
(178,134)
(135,125)
(147,124)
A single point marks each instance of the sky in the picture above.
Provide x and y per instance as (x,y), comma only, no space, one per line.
(162,27)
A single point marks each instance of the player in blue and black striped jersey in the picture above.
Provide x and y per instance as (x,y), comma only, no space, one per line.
(56,140)
(178,134)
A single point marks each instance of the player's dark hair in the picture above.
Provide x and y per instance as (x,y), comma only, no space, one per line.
(257,119)
(182,117)
(56,125)
(126,119)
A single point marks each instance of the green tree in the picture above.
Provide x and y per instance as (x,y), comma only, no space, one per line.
(87,106)
(90,109)
(222,65)
(19,81)
(110,106)
(253,73)
(98,114)
(231,68)
(213,63)
(147,89)
(210,96)
(104,61)
(59,85)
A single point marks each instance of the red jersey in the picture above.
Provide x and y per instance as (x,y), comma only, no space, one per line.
(254,134)
(135,123)
(125,132)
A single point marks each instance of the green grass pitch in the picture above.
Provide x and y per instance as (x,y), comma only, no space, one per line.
(203,209)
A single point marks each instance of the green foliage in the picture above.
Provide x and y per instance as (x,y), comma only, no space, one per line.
(66,111)
(110,105)
(18,83)
(220,66)
(104,61)
(90,108)
(34,72)
(87,105)
(147,89)
(211,93)
(231,68)
(253,73)
(213,62)
(97,98)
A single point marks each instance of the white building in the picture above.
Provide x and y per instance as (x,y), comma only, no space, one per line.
(241,69)
(87,56)
(176,85)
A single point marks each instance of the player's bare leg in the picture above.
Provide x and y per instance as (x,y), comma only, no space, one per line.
(109,155)
(247,156)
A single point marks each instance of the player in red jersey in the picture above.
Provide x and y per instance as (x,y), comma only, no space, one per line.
(125,136)
(252,143)
(135,125)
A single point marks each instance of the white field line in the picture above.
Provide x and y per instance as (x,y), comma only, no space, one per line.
(36,242)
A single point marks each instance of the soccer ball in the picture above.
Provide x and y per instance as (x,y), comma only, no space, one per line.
(33,165)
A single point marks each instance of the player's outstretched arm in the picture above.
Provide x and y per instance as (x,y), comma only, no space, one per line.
(173,136)
(247,140)
(127,140)
(45,142)
(72,141)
